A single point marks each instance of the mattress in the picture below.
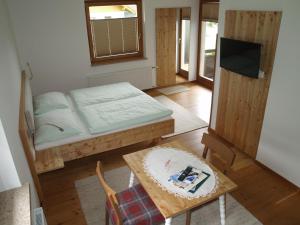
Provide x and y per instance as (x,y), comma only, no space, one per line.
(85,134)
(105,93)
(119,107)
(118,114)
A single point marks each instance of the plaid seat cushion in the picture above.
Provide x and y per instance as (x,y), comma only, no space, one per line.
(136,208)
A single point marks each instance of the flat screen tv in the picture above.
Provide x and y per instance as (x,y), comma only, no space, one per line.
(240,57)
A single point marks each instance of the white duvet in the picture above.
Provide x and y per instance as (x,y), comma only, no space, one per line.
(103,110)
(118,114)
(105,93)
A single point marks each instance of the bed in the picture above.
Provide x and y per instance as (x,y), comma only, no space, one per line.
(107,117)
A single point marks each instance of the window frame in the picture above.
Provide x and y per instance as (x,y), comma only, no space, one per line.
(114,58)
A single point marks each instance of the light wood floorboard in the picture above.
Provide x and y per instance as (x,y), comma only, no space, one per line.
(180,79)
(272,199)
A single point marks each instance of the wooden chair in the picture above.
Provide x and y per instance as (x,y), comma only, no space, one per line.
(129,207)
(222,156)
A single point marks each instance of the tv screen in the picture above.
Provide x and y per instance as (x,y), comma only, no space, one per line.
(240,57)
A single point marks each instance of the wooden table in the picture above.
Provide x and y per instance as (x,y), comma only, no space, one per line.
(168,204)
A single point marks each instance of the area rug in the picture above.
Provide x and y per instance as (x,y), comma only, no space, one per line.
(185,121)
(92,198)
(173,89)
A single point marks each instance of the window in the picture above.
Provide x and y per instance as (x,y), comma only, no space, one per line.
(210,35)
(114,30)
(208,42)
(184,37)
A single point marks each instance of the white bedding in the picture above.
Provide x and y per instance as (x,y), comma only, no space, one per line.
(118,114)
(85,134)
(56,125)
(105,93)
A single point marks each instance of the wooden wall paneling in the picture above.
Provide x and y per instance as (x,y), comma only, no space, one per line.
(166,46)
(186,13)
(210,11)
(242,100)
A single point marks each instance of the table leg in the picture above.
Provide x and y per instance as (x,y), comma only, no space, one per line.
(188,217)
(222,209)
(168,221)
(131,179)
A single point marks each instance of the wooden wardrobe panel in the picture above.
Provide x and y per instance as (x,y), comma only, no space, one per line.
(242,100)
(165,46)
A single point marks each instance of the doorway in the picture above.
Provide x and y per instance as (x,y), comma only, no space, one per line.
(172,45)
(183,52)
(208,53)
(208,37)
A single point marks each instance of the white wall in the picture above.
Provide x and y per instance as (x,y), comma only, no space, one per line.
(8,172)
(10,75)
(51,36)
(279,144)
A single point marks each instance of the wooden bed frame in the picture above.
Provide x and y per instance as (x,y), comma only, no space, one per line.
(54,158)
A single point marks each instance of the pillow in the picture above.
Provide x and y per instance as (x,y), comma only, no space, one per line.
(49,101)
(55,125)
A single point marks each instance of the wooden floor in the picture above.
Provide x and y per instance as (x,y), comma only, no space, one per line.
(273,200)
(180,79)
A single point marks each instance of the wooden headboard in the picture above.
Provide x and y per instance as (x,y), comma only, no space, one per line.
(26,138)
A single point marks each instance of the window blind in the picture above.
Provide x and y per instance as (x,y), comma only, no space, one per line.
(100,37)
(115,36)
(130,35)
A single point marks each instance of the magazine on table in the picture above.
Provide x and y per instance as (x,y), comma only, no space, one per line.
(192,181)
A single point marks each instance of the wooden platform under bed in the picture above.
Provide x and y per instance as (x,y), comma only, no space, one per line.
(54,158)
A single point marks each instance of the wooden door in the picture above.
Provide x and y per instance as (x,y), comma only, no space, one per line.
(165,47)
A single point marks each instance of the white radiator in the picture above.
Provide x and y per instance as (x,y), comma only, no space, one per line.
(39,217)
(139,77)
